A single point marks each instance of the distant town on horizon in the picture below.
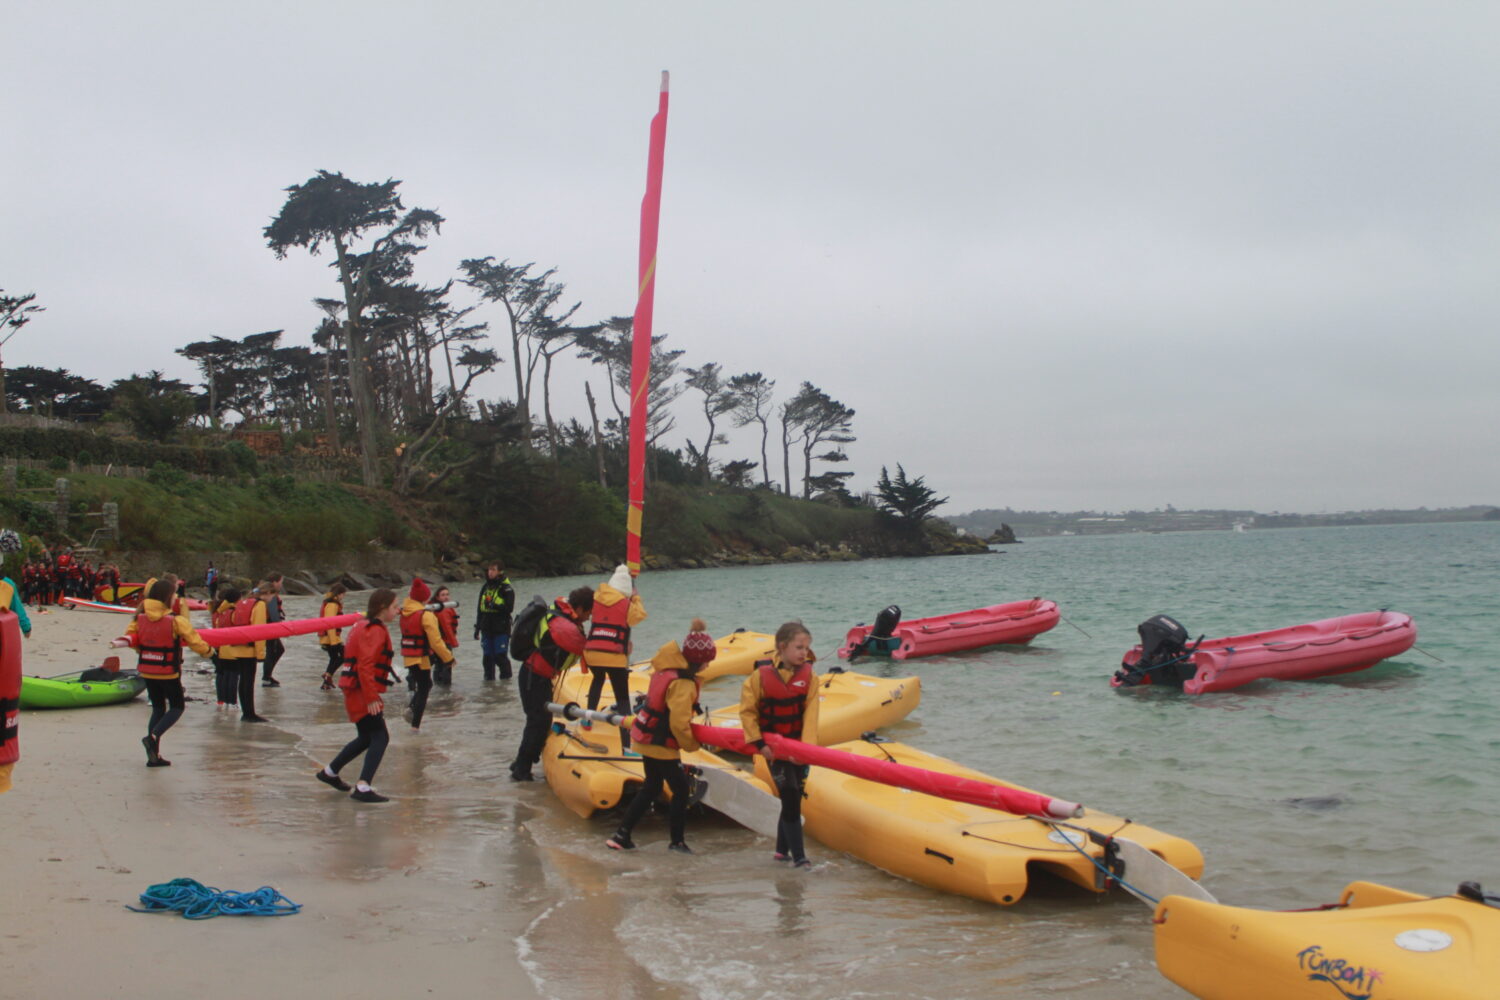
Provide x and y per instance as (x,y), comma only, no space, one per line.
(1029,523)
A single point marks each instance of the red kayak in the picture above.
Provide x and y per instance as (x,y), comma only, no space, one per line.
(1316,649)
(1015,623)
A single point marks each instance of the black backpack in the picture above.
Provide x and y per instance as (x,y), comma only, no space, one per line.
(523,630)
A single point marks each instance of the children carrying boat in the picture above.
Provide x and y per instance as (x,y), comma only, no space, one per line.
(662,729)
(332,640)
(366,674)
(242,659)
(158,636)
(781,696)
(226,672)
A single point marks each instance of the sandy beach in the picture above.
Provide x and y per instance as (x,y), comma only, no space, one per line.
(395,901)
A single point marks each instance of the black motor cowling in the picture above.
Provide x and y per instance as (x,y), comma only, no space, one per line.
(881,639)
(1166,657)
(886,622)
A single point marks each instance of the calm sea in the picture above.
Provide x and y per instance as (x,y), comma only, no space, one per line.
(1289,789)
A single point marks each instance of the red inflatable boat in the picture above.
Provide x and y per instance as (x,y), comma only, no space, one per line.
(1317,649)
(1014,623)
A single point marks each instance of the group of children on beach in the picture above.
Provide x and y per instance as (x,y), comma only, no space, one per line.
(591,627)
(58,573)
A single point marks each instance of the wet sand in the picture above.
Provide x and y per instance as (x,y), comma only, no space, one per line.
(398,899)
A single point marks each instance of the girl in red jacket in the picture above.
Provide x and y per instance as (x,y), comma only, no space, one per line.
(447,619)
(367,673)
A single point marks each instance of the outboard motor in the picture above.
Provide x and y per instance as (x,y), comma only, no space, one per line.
(1166,657)
(882,638)
(886,622)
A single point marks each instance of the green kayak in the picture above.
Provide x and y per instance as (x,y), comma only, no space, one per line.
(71,691)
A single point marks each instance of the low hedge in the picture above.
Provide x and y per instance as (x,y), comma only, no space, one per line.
(51,442)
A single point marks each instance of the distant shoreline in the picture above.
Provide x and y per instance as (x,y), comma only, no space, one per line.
(1040,524)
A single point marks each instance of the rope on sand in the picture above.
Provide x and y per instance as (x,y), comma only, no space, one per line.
(199,902)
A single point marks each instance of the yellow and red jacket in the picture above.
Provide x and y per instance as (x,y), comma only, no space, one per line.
(249,611)
(421,639)
(179,608)
(332,608)
(777,699)
(158,637)
(614,615)
(664,725)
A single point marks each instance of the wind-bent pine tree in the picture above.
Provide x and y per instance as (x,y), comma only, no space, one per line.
(331,210)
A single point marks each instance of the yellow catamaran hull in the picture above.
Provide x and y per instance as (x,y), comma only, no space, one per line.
(1380,944)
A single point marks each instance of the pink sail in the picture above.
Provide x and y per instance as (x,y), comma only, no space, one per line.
(640,348)
(947,786)
(239,635)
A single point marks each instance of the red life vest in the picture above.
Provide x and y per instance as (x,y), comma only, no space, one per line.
(159,648)
(413,636)
(447,620)
(224,617)
(243,610)
(782,703)
(349,676)
(653,723)
(10,681)
(549,659)
(609,631)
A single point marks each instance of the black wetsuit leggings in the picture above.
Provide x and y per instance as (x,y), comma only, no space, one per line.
(335,658)
(226,681)
(619,681)
(274,650)
(658,773)
(421,687)
(167,704)
(371,741)
(247,687)
(789,778)
(536,691)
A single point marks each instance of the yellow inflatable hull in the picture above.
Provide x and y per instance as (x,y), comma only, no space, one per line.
(959,848)
(1382,944)
(580,769)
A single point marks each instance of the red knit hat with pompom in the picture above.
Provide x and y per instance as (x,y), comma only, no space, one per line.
(699,646)
(419,590)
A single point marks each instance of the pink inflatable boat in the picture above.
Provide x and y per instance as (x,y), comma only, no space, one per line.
(1317,649)
(1014,623)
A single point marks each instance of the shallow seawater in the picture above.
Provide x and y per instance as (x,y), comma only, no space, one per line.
(1290,790)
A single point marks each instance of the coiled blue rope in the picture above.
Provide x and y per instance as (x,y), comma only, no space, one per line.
(199,902)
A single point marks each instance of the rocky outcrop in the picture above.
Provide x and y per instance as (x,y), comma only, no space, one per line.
(1004,535)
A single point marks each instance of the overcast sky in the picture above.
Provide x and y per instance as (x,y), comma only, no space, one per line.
(1055,255)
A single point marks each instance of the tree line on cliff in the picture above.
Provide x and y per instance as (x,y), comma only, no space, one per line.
(387,385)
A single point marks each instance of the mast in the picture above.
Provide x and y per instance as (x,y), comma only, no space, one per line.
(640,347)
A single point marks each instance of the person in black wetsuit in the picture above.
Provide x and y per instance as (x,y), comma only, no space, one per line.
(497,601)
(270,588)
